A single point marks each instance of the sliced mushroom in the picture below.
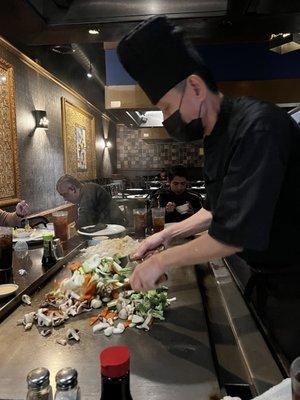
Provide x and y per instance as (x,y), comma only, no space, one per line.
(119,328)
(96,303)
(109,331)
(56,321)
(146,323)
(137,319)
(123,314)
(45,332)
(61,341)
(42,319)
(28,326)
(73,334)
(72,311)
(26,299)
(29,318)
(100,326)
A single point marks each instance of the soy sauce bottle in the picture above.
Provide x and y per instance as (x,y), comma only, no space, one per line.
(48,259)
(115,362)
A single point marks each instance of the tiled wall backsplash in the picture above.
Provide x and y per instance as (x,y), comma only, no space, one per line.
(135,154)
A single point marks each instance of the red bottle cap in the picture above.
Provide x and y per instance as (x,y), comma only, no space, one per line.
(114,361)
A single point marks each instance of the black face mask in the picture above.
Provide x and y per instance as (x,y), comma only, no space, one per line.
(182,131)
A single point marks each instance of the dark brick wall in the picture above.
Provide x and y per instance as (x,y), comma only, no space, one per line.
(136,157)
(41,156)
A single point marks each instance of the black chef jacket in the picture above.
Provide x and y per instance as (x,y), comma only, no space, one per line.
(165,195)
(252,178)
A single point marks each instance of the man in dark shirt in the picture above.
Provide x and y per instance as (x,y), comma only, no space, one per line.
(176,194)
(94,203)
(252,162)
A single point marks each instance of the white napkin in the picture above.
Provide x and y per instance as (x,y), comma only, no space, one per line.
(282,391)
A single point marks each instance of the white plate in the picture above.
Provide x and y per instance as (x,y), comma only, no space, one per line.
(137,196)
(36,235)
(111,229)
(7,289)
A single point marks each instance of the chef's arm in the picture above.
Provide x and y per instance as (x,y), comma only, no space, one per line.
(202,249)
(197,223)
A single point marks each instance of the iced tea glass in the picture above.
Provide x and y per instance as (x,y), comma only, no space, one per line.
(60,221)
(158,219)
(139,222)
(295,378)
(5,254)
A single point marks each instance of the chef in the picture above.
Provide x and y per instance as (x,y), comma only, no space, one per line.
(252,160)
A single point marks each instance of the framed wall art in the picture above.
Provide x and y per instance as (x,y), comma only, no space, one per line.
(78,127)
(9,163)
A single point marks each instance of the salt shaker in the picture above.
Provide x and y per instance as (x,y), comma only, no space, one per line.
(66,385)
(39,385)
(57,249)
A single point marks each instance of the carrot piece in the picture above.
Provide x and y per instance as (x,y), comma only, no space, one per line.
(110,315)
(126,323)
(93,319)
(103,312)
(74,266)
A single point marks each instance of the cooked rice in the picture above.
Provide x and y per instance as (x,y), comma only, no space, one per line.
(110,247)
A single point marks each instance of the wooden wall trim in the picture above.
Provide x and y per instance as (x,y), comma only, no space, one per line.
(42,71)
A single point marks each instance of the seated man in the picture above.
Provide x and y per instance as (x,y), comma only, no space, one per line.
(94,203)
(177,195)
(162,175)
(14,218)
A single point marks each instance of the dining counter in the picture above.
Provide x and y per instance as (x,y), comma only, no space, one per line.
(173,360)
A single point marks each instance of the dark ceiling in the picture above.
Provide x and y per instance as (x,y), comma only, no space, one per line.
(36,25)
(66,21)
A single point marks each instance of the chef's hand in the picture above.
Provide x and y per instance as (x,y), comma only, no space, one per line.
(22,209)
(148,275)
(151,243)
(170,207)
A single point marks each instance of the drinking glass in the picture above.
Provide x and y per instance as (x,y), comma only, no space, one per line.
(295,378)
(139,221)
(5,254)
(60,221)
(158,219)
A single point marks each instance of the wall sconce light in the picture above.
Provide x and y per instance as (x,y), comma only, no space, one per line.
(41,120)
(107,143)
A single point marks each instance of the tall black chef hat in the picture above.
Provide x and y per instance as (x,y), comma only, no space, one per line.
(158,56)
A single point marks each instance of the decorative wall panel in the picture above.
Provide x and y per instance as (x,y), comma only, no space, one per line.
(134,153)
(9,164)
(79,141)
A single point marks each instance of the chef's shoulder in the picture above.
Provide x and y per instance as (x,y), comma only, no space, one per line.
(252,116)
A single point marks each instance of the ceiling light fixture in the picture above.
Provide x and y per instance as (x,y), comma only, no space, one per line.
(89,72)
(94,31)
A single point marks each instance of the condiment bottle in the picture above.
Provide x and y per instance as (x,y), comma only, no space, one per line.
(48,260)
(114,362)
(38,385)
(66,385)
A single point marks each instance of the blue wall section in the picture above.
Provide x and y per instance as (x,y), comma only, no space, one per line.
(229,62)
(115,73)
